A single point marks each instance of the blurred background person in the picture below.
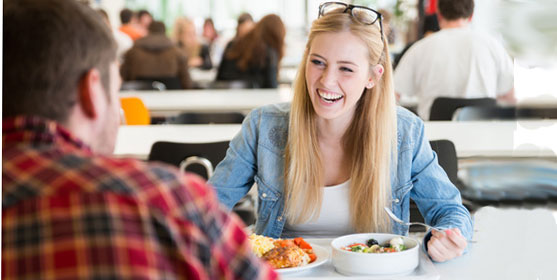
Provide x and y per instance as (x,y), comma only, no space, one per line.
(209,34)
(214,41)
(144,19)
(123,41)
(255,57)
(245,25)
(185,36)
(155,57)
(456,62)
(430,26)
(130,24)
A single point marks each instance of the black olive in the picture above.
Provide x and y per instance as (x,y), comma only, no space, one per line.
(372,242)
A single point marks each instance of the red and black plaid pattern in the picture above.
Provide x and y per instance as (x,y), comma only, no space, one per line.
(69,214)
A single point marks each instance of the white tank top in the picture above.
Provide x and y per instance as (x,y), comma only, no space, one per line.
(333,220)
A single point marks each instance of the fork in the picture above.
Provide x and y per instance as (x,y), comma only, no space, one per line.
(396,219)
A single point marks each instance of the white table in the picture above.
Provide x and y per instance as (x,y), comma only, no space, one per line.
(169,103)
(511,244)
(136,141)
(472,139)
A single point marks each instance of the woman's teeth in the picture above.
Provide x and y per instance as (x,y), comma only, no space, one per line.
(329,97)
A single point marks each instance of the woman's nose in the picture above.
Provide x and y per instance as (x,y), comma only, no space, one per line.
(328,77)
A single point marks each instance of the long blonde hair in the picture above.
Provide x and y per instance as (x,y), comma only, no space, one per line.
(183,34)
(370,140)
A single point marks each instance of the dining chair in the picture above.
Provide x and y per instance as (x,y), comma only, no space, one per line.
(135,111)
(208,118)
(443,108)
(478,113)
(201,159)
(169,83)
(233,84)
(142,85)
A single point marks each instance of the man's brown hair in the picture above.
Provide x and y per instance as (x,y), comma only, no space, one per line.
(455,9)
(157,27)
(49,45)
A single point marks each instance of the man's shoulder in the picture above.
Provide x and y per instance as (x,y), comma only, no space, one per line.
(149,182)
(138,174)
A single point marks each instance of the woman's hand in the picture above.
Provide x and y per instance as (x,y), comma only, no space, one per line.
(446,245)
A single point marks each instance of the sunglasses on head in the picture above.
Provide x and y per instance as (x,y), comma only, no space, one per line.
(363,15)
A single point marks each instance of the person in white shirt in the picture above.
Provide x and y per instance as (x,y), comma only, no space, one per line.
(456,62)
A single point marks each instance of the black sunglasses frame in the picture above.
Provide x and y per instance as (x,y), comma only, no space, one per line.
(350,7)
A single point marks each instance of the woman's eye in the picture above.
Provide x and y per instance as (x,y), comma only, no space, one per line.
(345,69)
(317,62)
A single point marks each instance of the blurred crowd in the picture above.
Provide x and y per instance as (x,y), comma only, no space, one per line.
(149,52)
(456,61)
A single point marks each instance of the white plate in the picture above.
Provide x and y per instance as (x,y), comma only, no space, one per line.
(322,255)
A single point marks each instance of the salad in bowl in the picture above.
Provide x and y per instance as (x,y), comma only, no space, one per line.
(375,254)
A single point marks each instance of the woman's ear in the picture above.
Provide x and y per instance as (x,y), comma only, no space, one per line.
(376,74)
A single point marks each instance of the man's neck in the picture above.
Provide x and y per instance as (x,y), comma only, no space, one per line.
(457,23)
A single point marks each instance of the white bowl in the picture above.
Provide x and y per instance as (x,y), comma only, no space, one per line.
(353,263)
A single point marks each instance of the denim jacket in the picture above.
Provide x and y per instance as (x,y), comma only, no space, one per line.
(257,152)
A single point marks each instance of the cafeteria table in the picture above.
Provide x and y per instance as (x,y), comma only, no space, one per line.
(174,102)
(511,244)
(483,139)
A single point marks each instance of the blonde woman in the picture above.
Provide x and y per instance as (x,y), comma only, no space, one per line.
(185,36)
(326,164)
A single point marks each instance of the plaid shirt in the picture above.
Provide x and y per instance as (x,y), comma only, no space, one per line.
(70,214)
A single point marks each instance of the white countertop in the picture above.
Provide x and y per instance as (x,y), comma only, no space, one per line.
(471,139)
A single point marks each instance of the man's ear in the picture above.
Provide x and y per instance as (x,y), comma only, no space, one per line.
(89,87)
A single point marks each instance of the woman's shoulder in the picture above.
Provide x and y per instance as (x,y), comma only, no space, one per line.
(270,123)
(406,118)
(278,110)
(409,125)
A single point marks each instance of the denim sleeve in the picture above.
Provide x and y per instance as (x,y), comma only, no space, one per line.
(234,175)
(437,198)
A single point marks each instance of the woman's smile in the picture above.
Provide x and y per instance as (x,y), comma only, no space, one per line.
(329,97)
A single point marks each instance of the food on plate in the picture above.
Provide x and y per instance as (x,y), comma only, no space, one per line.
(282,253)
(372,246)
(282,257)
(261,244)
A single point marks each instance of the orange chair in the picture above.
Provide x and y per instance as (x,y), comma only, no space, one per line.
(135,112)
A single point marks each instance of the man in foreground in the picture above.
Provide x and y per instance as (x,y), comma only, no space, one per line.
(68,210)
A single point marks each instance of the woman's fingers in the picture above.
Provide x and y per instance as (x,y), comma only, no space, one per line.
(446,245)
(457,239)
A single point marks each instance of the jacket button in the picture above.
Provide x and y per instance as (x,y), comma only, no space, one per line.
(264,195)
(279,218)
